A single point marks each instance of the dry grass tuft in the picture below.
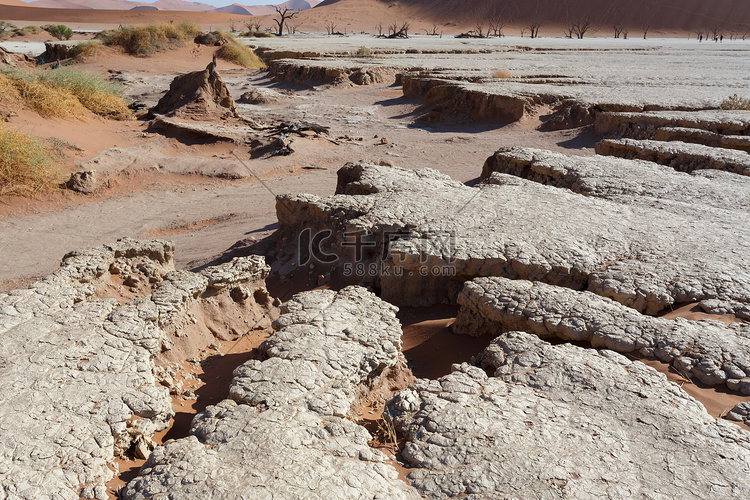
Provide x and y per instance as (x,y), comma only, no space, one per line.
(92,92)
(48,100)
(501,73)
(26,167)
(735,102)
(85,50)
(257,34)
(242,55)
(144,41)
(27,30)
(8,91)
(65,93)
(363,52)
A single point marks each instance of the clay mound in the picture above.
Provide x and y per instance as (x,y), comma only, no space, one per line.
(200,95)
(14,59)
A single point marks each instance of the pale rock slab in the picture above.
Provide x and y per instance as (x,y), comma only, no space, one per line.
(284,432)
(426,234)
(712,352)
(564,422)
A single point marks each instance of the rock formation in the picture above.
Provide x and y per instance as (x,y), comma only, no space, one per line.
(564,422)
(200,95)
(423,234)
(632,182)
(77,386)
(712,352)
(682,156)
(15,58)
(284,431)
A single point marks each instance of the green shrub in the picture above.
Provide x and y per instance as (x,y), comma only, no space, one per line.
(26,167)
(242,55)
(735,102)
(60,31)
(144,41)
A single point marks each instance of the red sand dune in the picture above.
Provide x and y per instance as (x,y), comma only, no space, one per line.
(450,16)
(666,14)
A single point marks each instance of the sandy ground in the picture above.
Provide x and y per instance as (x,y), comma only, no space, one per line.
(205,216)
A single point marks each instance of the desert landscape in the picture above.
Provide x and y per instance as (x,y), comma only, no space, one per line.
(412,249)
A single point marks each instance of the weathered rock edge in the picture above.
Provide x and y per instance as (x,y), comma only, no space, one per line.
(634,182)
(309,72)
(426,234)
(682,156)
(284,432)
(564,422)
(708,350)
(77,386)
(644,125)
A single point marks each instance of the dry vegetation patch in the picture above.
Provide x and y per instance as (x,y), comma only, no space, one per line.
(236,52)
(735,102)
(144,41)
(26,166)
(85,50)
(64,93)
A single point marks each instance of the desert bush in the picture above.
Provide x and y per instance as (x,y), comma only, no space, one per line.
(234,51)
(501,73)
(26,167)
(60,31)
(66,93)
(257,34)
(363,52)
(6,28)
(27,30)
(735,102)
(85,50)
(144,41)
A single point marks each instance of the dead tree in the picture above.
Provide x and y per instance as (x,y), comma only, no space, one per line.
(379,27)
(568,31)
(252,25)
(291,29)
(625,32)
(479,28)
(534,29)
(394,31)
(580,27)
(645,28)
(618,30)
(496,26)
(233,26)
(284,14)
(433,32)
(716,32)
(330,28)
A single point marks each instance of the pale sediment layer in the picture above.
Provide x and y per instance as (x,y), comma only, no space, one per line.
(682,156)
(564,422)
(711,352)
(425,234)
(643,125)
(77,373)
(633,182)
(285,431)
